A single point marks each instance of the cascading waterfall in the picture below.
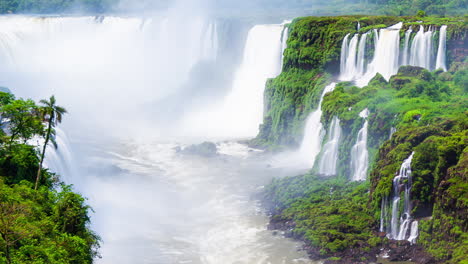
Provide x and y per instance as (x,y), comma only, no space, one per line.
(284,41)
(350,67)
(440,62)
(359,152)
(400,226)
(405,58)
(313,135)
(241,111)
(344,55)
(328,161)
(387,59)
(353,56)
(361,55)
(421,49)
(383,213)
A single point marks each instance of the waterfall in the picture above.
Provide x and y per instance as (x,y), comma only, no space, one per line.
(359,153)
(328,161)
(402,226)
(405,60)
(392,131)
(313,134)
(386,56)
(387,59)
(440,62)
(414,232)
(127,59)
(240,112)
(383,214)
(284,42)
(361,55)
(350,59)
(344,54)
(421,49)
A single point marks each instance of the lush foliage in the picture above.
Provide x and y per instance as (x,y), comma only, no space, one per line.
(428,111)
(47,225)
(313,52)
(330,215)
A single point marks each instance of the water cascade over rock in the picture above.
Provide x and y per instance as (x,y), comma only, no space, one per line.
(313,135)
(400,226)
(405,59)
(328,161)
(421,49)
(441,57)
(387,54)
(359,152)
(261,60)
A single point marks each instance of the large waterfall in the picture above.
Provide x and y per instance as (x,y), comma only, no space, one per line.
(400,226)
(241,112)
(359,152)
(313,133)
(115,75)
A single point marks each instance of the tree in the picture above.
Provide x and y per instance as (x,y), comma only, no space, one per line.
(52,114)
(23,122)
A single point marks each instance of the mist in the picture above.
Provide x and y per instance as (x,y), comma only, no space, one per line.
(139,88)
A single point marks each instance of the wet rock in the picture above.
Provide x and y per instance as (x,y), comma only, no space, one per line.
(205,149)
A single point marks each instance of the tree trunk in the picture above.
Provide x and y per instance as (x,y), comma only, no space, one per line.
(38,177)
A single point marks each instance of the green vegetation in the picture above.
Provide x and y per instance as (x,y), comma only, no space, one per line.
(313,53)
(46,224)
(338,219)
(331,215)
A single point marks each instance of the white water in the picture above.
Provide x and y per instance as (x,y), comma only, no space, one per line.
(350,68)
(359,153)
(440,61)
(313,133)
(361,55)
(405,59)
(152,204)
(241,111)
(284,42)
(414,232)
(421,49)
(387,55)
(328,161)
(402,226)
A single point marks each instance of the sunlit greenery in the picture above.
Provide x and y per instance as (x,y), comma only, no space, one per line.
(47,225)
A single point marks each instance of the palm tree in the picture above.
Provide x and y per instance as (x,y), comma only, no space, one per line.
(52,114)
